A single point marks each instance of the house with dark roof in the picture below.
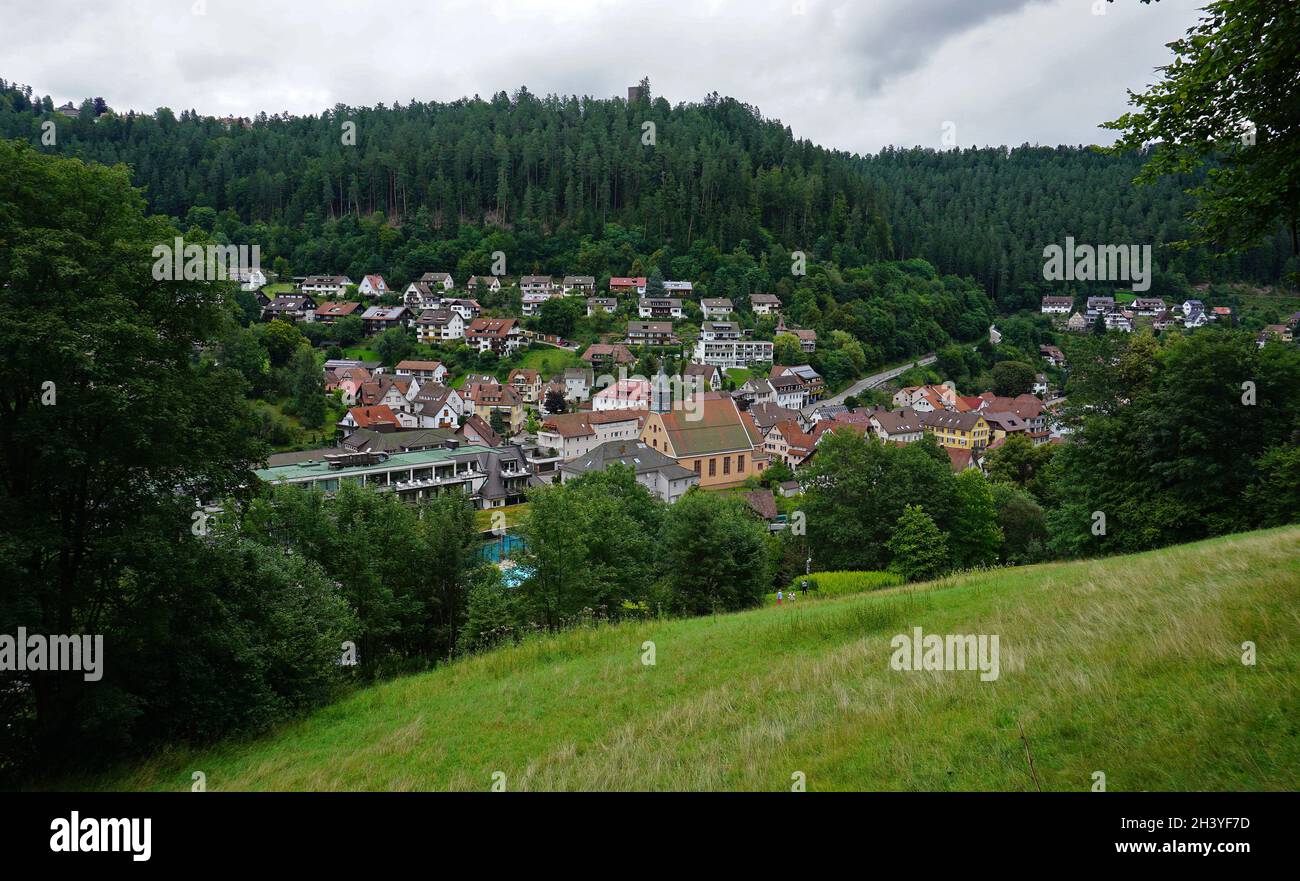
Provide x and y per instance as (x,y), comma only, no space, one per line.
(432,370)
(578,284)
(767,415)
(487,282)
(606,355)
(951,429)
(441,280)
(476,430)
(369,440)
(659,308)
(491,477)
(290,307)
(1100,306)
(707,376)
(656,472)
(716,308)
(439,325)
(601,304)
(437,406)
(899,426)
(378,319)
(651,333)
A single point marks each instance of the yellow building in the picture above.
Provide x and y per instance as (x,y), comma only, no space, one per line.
(713,438)
(482,400)
(963,431)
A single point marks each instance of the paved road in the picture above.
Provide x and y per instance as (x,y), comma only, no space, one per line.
(870,382)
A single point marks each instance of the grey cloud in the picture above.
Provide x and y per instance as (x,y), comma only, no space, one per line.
(851,75)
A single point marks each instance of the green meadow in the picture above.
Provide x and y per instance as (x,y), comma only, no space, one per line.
(1132,666)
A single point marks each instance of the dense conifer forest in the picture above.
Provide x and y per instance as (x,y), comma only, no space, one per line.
(568,184)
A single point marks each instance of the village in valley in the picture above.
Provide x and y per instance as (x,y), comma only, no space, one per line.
(820,423)
(687,392)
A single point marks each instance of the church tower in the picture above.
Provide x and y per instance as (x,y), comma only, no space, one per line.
(661,393)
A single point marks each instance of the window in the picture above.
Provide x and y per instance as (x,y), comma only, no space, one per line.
(740,464)
(697,466)
(726,464)
(713,467)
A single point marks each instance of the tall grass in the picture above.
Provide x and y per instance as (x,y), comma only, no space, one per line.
(835,584)
(1127,665)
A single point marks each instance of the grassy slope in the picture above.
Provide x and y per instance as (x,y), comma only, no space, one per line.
(1129,665)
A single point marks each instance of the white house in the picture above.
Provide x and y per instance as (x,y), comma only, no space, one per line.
(438,280)
(577,383)
(601,304)
(721,344)
(439,325)
(492,282)
(326,285)
(716,308)
(584,285)
(533,300)
(373,286)
(576,434)
(654,308)
(623,394)
(437,406)
(434,371)
(251,279)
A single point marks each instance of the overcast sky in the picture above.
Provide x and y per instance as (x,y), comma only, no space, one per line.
(851,74)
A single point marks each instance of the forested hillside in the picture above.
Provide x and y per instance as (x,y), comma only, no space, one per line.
(593,186)
(988,213)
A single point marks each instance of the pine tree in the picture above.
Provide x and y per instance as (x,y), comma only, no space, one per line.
(976,536)
(654,286)
(919,549)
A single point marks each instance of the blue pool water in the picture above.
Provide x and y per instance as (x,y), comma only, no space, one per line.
(498,548)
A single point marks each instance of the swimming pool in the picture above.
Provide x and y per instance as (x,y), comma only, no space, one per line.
(499,547)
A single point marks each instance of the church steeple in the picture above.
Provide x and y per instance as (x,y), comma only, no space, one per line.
(661,393)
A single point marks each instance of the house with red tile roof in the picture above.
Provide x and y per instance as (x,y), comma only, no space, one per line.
(576,434)
(623,285)
(787,442)
(378,417)
(710,436)
(527,383)
(503,336)
(373,286)
(332,310)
